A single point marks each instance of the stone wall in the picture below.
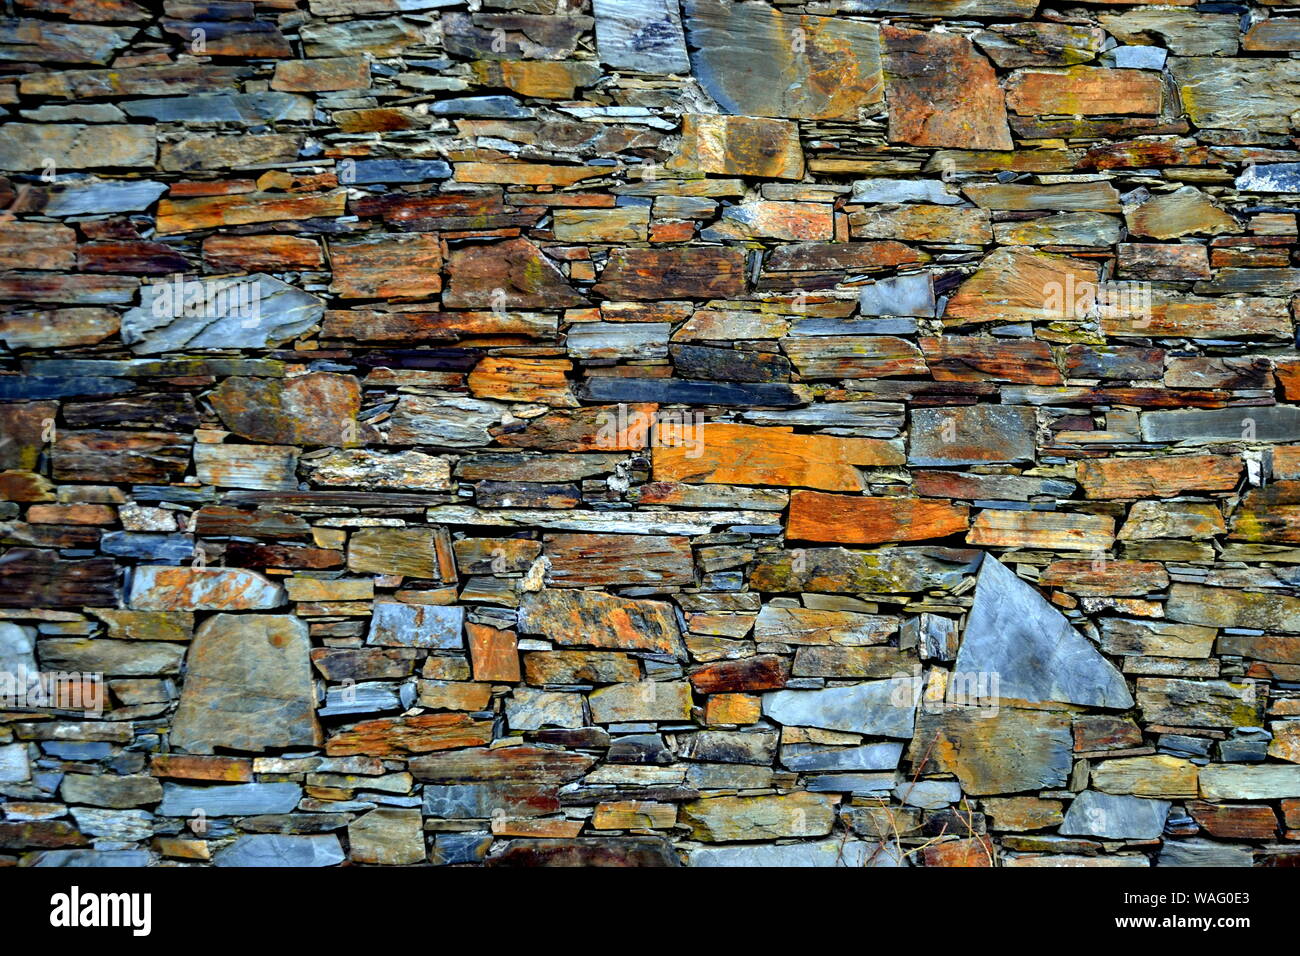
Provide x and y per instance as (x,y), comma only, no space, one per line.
(610,431)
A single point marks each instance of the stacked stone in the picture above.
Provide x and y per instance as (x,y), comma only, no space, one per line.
(858,433)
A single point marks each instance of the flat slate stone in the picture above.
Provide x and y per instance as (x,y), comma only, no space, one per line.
(1014,635)
(280,850)
(253,312)
(417,625)
(1115,817)
(229,800)
(84,197)
(885,708)
(832,852)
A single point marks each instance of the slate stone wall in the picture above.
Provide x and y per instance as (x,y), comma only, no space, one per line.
(863,432)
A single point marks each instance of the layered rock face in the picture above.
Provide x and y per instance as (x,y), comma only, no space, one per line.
(649,433)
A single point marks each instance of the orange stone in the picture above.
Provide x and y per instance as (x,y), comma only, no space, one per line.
(1112,478)
(733,709)
(846,519)
(493,652)
(721,453)
(1083,91)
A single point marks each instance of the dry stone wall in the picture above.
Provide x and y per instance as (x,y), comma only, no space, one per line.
(624,432)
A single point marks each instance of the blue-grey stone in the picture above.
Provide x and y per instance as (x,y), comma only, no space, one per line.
(1115,816)
(26,387)
(1270,178)
(274,849)
(87,196)
(859,783)
(811,757)
(79,858)
(865,419)
(833,852)
(363,171)
(1201,425)
(1139,57)
(453,848)
(229,800)
(902,295)
(1204,853)
(903,190)
(884,708)
(417,625)
(1016,638)
(246,108)
(824,325)
(76,749)
(928,794)
(644,35)
(493,107)
(367,697)
(120,826)
(172,548)
(252,312)
(609,388)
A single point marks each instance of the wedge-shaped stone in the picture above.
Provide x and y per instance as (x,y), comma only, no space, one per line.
(248,686)
(1195,703)
(848,519)
(755,455)
(744,59)
(732,819)
(1161,776)
(1037,656)
(941,92)
(155,588)
(1115,817)
(884,708)
(995,751)
(577,618)
(737,146)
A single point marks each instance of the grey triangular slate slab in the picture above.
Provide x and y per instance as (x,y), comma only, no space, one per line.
(1037,655)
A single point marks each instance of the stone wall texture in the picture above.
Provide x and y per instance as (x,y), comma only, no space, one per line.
(632,432)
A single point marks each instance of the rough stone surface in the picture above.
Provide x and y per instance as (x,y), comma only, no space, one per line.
(643,432)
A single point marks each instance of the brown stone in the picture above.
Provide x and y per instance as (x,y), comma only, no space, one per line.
(846,519)
(941,92)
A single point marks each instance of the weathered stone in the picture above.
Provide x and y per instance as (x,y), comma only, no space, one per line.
(731,819)
(416,625)
(318,408)
(847,519)
(642,35)
(1160,776)
(972,434)
(201,589)
(995,751)
(956,104)
(387,836)
(276,850)
(738,146)
(597,620)
(248,686)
